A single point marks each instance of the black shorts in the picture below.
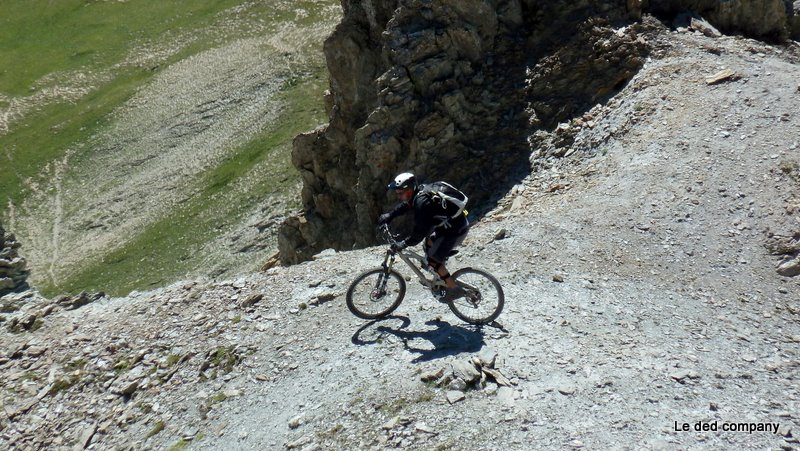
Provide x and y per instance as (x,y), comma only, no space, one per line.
(444,241)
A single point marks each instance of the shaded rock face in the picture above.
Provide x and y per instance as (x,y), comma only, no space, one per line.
(757,18)
(457,90)
(794,20)
(13,271)
(445,89)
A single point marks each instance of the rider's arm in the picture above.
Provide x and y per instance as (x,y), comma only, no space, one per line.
(399,210)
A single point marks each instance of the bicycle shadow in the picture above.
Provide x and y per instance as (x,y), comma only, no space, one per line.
(446,339)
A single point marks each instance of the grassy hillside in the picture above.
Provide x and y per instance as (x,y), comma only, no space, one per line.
(170,248)
(68,67)
(44,44)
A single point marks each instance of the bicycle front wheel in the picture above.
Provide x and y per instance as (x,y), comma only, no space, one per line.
(484,298)
(375,293)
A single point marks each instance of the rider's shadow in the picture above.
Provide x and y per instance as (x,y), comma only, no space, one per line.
(446,339)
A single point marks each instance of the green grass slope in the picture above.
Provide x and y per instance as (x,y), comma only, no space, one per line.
(67,67)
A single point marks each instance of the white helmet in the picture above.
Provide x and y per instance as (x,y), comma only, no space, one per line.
(404,180)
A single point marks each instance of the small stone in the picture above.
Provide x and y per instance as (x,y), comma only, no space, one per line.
(190,433)
(323,298)
(558,278)
(405,421)
(790,268)
(251,300)
(302,441)
(497,376)
(392,423)
(466,371)
(86,435)
(704,27)
(457,384)
(295,422)
(126,388)
(36,351)
(445,379)
(422,427)
(567,389)
(604,383)
(432,376)
(682,375)
(723,75)
(454,396)
(487,358)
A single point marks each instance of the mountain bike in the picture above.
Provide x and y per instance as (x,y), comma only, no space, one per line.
(377,292)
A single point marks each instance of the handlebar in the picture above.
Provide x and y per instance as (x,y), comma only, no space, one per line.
(385,234)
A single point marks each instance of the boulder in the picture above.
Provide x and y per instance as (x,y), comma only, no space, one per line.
(13,268)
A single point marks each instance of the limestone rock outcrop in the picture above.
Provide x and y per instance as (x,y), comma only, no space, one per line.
(445,89)
(458,90)
(13,270)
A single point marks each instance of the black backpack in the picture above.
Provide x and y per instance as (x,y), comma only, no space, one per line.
(449,197)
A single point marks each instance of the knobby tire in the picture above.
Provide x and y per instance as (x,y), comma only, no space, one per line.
(364,298)
(483,306)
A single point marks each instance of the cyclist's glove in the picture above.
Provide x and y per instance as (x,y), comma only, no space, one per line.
(384,218)
(398,245)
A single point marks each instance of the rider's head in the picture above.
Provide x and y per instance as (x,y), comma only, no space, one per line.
(404,186)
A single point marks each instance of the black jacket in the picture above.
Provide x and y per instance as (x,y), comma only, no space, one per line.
(429,216)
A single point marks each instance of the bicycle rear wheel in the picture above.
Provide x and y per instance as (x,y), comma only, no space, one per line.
(484,298)
(375,293)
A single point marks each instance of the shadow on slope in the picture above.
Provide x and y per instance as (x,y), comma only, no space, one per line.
(446,339)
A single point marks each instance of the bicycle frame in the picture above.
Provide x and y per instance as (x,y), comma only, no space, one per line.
(406,255)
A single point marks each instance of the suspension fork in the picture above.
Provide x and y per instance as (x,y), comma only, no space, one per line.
(388,261)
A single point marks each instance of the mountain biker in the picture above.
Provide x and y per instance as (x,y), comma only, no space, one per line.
(434,221)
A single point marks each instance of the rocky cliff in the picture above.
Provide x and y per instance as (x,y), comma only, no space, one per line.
(13,270)
(462,90)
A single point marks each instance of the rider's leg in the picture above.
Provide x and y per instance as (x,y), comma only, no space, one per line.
(441,245)
(445,275)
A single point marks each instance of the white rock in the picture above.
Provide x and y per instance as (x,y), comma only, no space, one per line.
(454,396)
